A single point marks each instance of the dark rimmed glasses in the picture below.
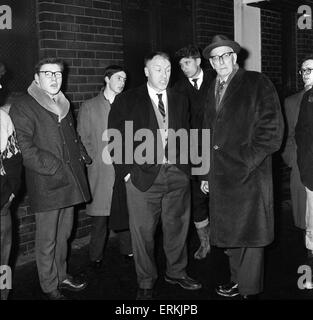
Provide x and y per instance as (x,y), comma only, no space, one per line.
(305,71)
(225,56)
(50,74)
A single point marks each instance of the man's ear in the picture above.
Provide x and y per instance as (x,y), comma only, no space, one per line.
(234,57)
(146,71)
(36,78)
(198,61)
(212,64)
(106,79)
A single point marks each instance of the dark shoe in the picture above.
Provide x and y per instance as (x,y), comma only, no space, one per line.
(185,282)
(144,294)
(253,297)
(55,295)
(228,290)
(96,265)
(73,284)
(128,257)
(204,237)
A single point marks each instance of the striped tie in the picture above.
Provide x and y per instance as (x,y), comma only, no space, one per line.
(161,105)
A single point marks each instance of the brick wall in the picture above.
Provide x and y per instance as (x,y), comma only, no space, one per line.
(87,34)
(211,18)
(271,47)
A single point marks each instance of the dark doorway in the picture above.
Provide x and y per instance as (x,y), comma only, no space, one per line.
(151,25)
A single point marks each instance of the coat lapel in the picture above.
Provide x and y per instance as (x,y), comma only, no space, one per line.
(232,88)
(210,110)
(146,112)
(170,110)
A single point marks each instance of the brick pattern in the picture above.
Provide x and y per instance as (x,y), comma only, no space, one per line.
(211,18)
(87,34)
(271,47)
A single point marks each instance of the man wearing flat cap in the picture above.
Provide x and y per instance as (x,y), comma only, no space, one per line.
(244,115)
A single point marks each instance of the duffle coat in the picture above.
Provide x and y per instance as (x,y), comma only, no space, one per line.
(52,155)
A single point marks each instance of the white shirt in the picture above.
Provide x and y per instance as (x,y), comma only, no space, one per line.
(153,95)
(199,81)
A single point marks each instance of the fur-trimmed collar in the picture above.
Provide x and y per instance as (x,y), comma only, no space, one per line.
(59,106)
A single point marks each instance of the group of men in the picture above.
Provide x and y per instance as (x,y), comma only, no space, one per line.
(231,204)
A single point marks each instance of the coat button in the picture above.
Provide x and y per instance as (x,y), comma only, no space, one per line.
(75,140)
(70,124)
(216,147)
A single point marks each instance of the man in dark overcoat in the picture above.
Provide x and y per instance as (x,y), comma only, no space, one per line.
(304,141)
(54,161)
(157,187)
(292,108)
(244,114)
(195,85)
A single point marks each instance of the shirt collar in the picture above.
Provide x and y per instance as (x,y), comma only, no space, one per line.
(199,77)
(153,93)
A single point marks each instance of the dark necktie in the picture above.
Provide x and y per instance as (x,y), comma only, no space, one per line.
(219,91)
(195,83)
(161,105)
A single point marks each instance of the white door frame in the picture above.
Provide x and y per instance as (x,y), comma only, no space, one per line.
(247,25)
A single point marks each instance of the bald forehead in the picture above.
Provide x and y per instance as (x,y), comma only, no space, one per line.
(220,50)
(159,60)
(308,63)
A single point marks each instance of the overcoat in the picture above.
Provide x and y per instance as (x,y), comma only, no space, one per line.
(246,130)
(304,140)
(297,189)
(53,156)
(92,122)
(108,196)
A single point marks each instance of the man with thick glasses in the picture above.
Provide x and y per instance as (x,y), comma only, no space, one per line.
(54,161)
(297,189)
(244,114)
(304,139)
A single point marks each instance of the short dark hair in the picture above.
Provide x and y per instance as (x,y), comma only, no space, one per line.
(151,55)
(50,60)
(110,70)
(189,51)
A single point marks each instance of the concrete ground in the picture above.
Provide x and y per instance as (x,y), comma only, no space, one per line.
(116,280)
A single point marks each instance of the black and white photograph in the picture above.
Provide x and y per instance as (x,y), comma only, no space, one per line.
(156,155)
